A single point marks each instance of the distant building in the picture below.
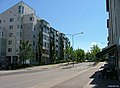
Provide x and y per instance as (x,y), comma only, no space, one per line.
(20,23)
(59,42)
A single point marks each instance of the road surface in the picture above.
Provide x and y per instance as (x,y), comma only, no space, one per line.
(62,77)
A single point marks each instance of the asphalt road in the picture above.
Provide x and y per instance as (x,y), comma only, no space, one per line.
(62,77)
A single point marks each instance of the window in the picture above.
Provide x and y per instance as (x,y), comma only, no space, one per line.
(0,27)
(20,9)
(10,42)
(0,21)
(33,36)
(11,19)
(33,43)
(4,20)
(30,18)
(10,34)
(9,49)
(21,26)
(11,27)
(34,28)
(2,33)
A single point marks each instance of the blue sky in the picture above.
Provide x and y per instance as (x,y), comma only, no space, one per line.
(71,16)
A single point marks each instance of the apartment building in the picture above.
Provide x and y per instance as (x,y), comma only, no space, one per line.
(20,23)
(59,44)
(12,24)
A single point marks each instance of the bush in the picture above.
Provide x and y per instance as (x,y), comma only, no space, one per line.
(18,66)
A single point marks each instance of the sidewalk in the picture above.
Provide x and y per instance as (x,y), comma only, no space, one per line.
(96,82)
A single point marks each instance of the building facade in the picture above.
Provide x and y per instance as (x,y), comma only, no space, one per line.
(58,44)
(19,23)
(113,49)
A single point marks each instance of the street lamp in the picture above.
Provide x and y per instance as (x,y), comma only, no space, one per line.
(73,44)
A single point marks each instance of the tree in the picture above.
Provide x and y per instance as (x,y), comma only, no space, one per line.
(88,56)
(62,49)
(25,52)
(40,44)
(52,50)
(79,55)
(68,52)
(94,50)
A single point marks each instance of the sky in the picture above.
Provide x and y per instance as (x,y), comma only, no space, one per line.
(71,17)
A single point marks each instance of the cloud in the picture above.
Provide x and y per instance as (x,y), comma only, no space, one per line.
(94,43)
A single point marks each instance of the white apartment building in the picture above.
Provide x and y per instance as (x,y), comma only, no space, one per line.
(20,23)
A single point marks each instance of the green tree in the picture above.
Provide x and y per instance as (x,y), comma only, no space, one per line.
(25,52)
(79,55)
(68,52)
(40,45)
(88,56)
(94,50)
(62,49)
(52,50)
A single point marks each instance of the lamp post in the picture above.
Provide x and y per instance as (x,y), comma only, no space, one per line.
(73,44)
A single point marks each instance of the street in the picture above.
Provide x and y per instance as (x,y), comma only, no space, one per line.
(61,77)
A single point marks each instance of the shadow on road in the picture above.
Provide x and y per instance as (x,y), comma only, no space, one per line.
(103,83)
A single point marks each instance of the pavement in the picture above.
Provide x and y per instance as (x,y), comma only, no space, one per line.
(96,82)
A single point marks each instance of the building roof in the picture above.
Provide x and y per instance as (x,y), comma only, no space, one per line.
(17,4)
